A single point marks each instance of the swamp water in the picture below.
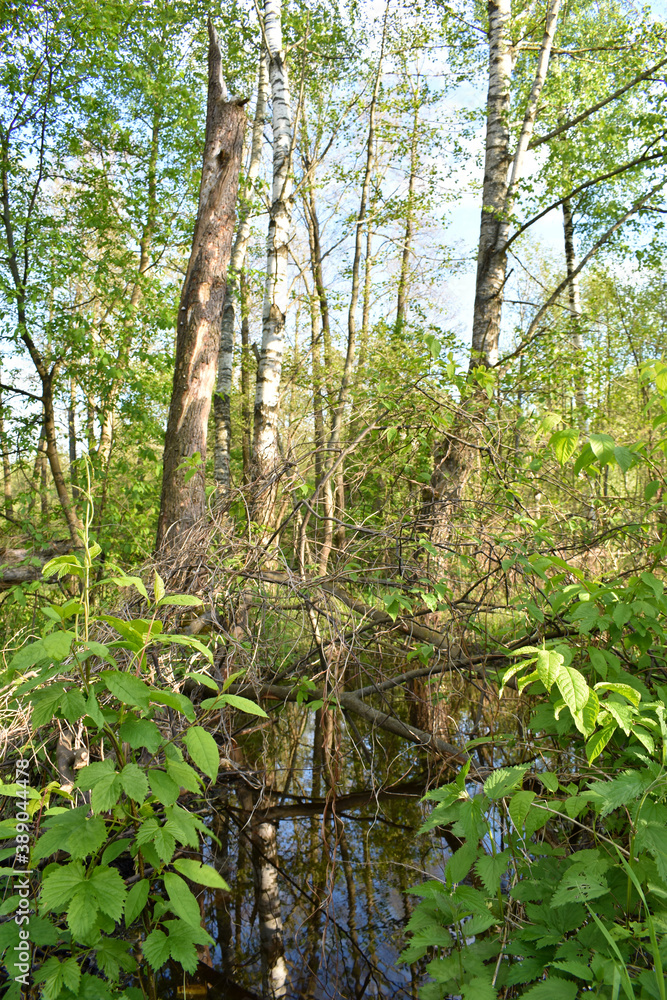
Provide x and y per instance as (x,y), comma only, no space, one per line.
(318,902)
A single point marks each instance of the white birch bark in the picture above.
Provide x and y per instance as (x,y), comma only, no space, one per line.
(266,456)
(269,912)
(222,407)
(499,190)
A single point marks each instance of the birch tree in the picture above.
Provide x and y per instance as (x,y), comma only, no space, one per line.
(266,452)
(222,401)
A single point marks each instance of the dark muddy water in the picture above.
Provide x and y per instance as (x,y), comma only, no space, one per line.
(319,849)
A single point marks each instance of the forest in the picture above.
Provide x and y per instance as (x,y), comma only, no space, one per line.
(333,424)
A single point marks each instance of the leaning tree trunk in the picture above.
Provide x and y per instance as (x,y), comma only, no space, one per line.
(222,398)
(266,454)
(183,500)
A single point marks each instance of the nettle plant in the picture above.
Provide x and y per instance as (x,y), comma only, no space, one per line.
(96,930)
(559,885)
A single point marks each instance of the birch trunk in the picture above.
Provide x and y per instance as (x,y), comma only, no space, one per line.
(574,302)
(503,172)
(266,454)
(183,500)
(71,430)
(222,398)
(246,370)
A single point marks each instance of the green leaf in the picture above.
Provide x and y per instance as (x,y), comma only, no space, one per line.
(549,780)
(628,692)
(181,900)
(564,444)
(519,808)
(136,900)
(59,886)
(141,733)
(158,586)
(171,699)
(131,581)
(134,782)
(552,988)
(461,862)
(184,775)
(179,601)
(204,750)
(110,891)
(651,489)
(155,949)
(573,688)
(491,869)
(163,787)
(478,989)
(586,719)
(106,793)
(599,740)
(503,780)
(602,446)
(243,704)
(82,912)
(201,874)
(624,457)
(186,640)
(549,664)
(127,688)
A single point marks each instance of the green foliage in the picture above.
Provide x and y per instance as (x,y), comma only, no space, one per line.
(85,904)
(560,884)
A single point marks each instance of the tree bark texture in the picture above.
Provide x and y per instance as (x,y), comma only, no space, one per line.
(266,453)
(503,171)
(183,500)
(222,398)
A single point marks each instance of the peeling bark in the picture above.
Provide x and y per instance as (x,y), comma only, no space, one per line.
(222,398)
(183,500)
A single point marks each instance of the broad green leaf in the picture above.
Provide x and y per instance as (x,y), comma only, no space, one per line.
(136,900)
(573,687)
(598,741)
(59,886)
(478,988)
(163,787)
(131,581)
(236,701)
(519,808)
(624,457)
(182,940)
(201,874)
(564,444)
(184,775)
(628,692)
(110,891)
(503,781)
(491,868)
(549,780)
(134,782)
(155,949)
(106,793)
(141,733)
(461,862)
(549,664)
(181,900)
(127,688)
(552,988)
(82,912)
(171,699)
(586,719)
(602,446)
(179,601)
(204,751)
(185,640)
(651,489)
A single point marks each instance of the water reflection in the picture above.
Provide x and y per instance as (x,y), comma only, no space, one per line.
(318,843)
